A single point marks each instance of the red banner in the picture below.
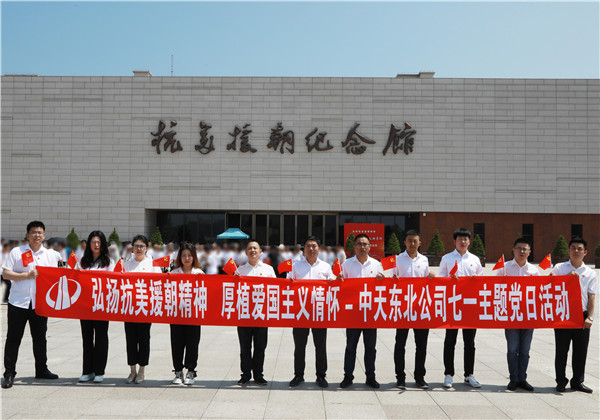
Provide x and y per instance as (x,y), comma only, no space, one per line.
(481,302)
(375,232)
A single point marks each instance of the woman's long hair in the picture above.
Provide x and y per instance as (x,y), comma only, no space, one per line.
(103,260)
(183,246)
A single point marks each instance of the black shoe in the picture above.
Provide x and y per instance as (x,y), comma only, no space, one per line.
(562,386)
(581,387)
(296,381)
(420,382)
(243,381)
(372,383)
(322,382)
(346,382)
(261,381)
(401,384)
(8,381)
(525,385)
(512,385)
(46,375)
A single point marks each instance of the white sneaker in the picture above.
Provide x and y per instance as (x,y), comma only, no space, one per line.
(178,380)
(472,381)
(86,378)
(190,378)
(98,379)
(448,381)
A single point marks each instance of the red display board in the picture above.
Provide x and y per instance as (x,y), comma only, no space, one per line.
(375,231)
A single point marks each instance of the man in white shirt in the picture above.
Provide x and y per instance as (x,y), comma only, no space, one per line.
(310,268)
(411,264)
(21,303)
(361,265)
(580,336)
(340,254)
(518,340)
(252,364)
(468,266)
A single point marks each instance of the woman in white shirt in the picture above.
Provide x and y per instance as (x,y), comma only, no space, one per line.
(137,334)
(185,338)
(94,333)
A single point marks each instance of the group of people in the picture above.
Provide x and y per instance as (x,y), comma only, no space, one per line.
(310,265)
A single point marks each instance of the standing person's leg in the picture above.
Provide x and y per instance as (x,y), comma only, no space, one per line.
(512,354)
(562,339)
(177,335)
(352,337)
(100,347)
(16,321)
(469,355)
(370,342)
(320,342)
(261,335)
(192,341)
(525,338)
(421,337)
(399,354)
(449,346)
(581,338)
(87,338)
(300,339)
(38,325)
(245,339)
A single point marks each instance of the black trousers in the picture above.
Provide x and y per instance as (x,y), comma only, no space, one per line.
(320,341)
(421,336)
(6,290)
(137,338)
(252,364)
(38,325)
(94,335)
(185,339)
(469,355)
(563,338)
(369,340)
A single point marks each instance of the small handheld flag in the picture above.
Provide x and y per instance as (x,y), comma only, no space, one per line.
(27,258)
(389,262)
(546,263)
(454,269)
(72,261)
(230,268)
(285,266)
(499,264)
(162,262)
(119,266)
(337,268)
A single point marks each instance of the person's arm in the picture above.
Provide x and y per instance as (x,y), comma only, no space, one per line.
(443,272)
(14,276)
(590,310)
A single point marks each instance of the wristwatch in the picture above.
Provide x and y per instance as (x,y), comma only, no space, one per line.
(591,318)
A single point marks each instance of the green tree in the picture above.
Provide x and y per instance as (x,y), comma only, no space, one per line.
(477,247)
(72,240)
(114,237)
(393,245)
(436,246)
(561,249)
(156,237)
(597,251)
(350,244)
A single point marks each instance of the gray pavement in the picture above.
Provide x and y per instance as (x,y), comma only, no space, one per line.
(215,394)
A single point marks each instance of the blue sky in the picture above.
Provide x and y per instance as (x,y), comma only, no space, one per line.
(330,39)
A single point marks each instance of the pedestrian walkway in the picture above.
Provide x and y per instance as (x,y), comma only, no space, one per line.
(216,395)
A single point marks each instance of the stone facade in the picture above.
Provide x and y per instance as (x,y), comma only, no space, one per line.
(76,151)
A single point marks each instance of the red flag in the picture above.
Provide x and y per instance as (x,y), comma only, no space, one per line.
(162,262)
(337,268)
(499,264)
(119,266)
(546,263)
(72,261)
(230,268)
(27,258)
(389,262)
(285,266)
(455,268)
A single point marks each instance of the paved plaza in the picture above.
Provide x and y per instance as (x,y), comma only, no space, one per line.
(216,395)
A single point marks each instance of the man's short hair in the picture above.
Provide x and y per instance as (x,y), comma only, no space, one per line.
(462,232)
(251,240)
(578,240)
(35,224)
(412,232)
(314,239)
(362,235)
(522,241)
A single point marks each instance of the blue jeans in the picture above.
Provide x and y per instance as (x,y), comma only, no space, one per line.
(518,342)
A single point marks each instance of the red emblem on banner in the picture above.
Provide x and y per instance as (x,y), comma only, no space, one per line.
(285,266)
(27,258)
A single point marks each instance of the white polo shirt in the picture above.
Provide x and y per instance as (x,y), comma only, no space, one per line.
(352,268)
(135,266)
(512,268)
(320,270)
(22,292)
(588,279)
(259,270)
(178,270)
(411,267)
(468,264)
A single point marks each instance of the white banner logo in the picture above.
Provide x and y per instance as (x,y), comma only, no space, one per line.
(63,298)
